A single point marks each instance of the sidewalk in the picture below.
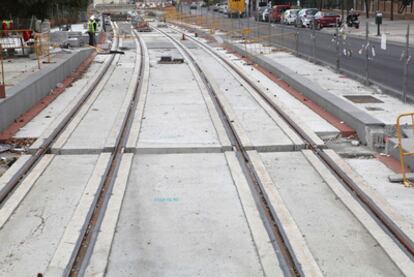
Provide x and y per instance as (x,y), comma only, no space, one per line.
(394,31)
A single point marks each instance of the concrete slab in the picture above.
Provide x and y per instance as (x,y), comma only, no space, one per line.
(178,219)
(397,255)
(261,129)
(316,123)
(71,240)
(338,241)
(31,235)
(376,176)
(38,124)
(175,112)
(95,126)
(16,70)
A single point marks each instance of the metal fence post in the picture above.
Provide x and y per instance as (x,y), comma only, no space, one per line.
(314,41)
(257,40)
(297,43)
(407,60)
(270,31)
(2,83)
(366,53)
(338,52)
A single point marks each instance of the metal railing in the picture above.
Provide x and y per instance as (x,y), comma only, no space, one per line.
(404,153)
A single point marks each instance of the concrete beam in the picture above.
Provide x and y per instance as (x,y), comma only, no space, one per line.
(21,97)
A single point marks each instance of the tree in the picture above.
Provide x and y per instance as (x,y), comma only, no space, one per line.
(39,8)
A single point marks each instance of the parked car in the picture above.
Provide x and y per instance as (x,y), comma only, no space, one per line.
(305,17)
(223,9)
(216,7)
(193,6)
(327,19)
(277,12)
(289,16)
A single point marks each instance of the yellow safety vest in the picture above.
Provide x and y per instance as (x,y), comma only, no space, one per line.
(91,26)
(7,22)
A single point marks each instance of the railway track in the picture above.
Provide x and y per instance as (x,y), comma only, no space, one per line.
(43,145)
(296,266)
(185,181)
(67,261)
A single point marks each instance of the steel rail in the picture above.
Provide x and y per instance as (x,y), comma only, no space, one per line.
(45,146)
(373,209)
(288,263)
(91,232)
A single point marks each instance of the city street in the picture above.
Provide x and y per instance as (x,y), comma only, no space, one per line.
(385,67)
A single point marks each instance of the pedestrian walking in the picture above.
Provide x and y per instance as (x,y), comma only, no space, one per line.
(92,30)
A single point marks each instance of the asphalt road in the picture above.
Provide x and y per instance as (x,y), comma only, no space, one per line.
(386,68)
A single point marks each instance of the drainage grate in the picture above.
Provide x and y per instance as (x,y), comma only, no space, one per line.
(373,109)
(362,99)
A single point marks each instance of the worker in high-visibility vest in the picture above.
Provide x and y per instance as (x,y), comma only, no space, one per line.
(7,25)
(92,30)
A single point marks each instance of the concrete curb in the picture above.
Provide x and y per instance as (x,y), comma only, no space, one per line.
(21,97)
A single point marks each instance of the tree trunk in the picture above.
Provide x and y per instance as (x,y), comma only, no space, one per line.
(367,8)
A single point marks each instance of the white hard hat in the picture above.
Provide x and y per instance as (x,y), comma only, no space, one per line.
(92,17)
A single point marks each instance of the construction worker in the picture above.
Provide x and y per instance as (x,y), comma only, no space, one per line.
(92,30)
(7,25)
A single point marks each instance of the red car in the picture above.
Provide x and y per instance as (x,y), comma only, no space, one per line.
(277,12)
(326,19)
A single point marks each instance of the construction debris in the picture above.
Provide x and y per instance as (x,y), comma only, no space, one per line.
(170,60)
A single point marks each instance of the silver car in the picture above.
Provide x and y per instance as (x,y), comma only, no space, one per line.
(289,16)
(305,17)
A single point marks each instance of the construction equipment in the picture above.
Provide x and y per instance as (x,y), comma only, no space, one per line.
(236,8)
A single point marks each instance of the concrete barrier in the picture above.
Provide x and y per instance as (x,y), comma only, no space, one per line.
(369,129)
(21,97)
